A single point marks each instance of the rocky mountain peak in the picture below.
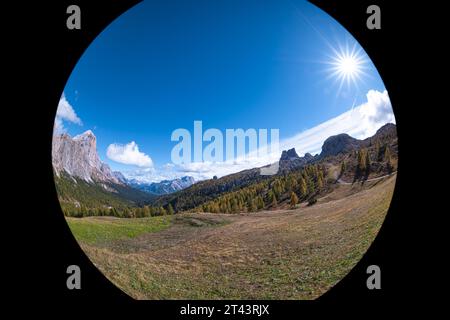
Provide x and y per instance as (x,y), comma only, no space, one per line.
(119,176)
(88,134)
(389,129)
(289,154)
(187,179)
(338,144)
(87,137)
(290,160)
(78,157)
(164,186)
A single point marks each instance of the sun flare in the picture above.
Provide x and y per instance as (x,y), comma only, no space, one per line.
(347,66)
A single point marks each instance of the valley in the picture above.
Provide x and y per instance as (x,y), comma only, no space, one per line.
(290,235)
(87,187)
(271,254)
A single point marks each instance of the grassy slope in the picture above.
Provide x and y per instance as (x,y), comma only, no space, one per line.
(284,254)
(98,230)
(94,195)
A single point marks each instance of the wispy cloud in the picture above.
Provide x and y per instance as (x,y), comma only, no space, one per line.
(65,112)
(359,122)
(128,154)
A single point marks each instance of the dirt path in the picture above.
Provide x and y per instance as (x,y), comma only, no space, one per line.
(284,254)
(340,181)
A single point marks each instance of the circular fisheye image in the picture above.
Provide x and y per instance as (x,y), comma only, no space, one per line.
(225,150)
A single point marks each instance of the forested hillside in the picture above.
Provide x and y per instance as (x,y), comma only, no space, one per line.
(300,180)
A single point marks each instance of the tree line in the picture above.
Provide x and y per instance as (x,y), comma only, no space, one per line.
(367,156)
(291,189)
(302,185)
(121,212)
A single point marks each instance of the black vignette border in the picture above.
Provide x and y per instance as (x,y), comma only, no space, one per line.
(55,54)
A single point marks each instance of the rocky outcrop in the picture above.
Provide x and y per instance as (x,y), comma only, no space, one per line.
(119,176)
(337,144)
(290,160)
(334,145)
(78,157)
(386,132)
(290,154)
(343,143)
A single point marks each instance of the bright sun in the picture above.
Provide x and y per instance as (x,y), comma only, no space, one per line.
(347,66)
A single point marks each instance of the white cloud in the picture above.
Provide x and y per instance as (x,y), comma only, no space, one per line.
(360,122)
(65,112)
(128,154)
(377,111)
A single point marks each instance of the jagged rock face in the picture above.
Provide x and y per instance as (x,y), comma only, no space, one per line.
(290,160)
(78,157)
(289,154)
(342,143)
(308,156)
(339,144)
(187,180)
(333,146)
(389,130)
(119,176)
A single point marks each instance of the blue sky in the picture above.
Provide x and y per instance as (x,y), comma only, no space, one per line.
(232,64)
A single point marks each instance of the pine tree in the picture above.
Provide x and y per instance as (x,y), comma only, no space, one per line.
(222,206)
(170,209)
(294,200)
(361,166)
(367,163)
(311,186)
(111,212)
(387,154)
(387,157)
(259,202)
(253,206)
(272,199)
(343,165)
(362,160)
(249,204)
(377,150)
(303,187)
(320,180)
(234,206)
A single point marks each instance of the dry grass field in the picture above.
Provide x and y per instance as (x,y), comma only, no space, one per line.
(283,254)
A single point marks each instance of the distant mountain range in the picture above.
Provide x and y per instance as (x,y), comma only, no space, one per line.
(335,149)
(77,157)
(164,186)
(81,177)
